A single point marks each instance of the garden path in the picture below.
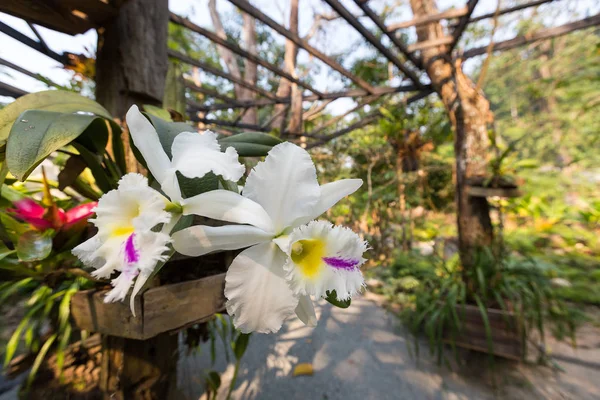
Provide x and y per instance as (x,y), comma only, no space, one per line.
(363,353)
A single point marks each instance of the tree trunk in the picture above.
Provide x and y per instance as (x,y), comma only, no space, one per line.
(131,68)
(469,113)
(250,68)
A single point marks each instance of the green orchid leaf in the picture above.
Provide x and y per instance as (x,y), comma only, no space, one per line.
(158,112)
(50,100)
(332,299)
(37,134)
(34,246)
(194,186)
(252,137)
(240,345)
(247,149)
(250,144)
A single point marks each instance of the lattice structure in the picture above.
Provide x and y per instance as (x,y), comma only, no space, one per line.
(405,56)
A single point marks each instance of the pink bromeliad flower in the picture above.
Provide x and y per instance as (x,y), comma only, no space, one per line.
(42,218)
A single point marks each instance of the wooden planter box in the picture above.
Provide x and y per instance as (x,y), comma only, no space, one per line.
(506,332)
(160,309)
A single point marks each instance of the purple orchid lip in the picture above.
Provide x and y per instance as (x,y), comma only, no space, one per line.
(132,255)
(341,263)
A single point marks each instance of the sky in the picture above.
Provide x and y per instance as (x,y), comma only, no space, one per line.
(337,37)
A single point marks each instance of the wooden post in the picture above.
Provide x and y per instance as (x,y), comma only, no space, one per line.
(469,113)
(131,67)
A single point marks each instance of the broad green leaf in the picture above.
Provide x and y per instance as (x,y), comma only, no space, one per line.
(94,163)
(332,299)
(250,144)
(240,345)
(248,149)
(252,137)
(194,186)
(3,172)
(158,112)
(37,134)
(50,100)
(34,246)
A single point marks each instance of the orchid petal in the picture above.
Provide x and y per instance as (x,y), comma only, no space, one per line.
(305,311)
(228,206)
(258,297)
(146,140)
(323,258)
(285,184)
(199,240)
(195,155)
(333,192)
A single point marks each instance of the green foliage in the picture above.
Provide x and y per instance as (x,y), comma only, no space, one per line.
(433,291)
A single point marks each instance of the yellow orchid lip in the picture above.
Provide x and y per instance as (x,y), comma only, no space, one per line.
(308,255)
(122,231)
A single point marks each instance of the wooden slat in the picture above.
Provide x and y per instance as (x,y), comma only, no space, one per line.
(510,10)
(378,90)
(90,313)
(213,37)
(174,306)
(352,20)
(462,24)
(52,15)
(254,12)
(393,38)
(431,43)
(210,92)
(231,124)
(542,34)
(11,91)
(217,72)
(447,14)
(27,41)
(161,309)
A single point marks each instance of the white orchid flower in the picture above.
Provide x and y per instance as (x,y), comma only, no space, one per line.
(126,217)
(288,258)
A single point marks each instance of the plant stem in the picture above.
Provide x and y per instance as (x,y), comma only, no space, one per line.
(232,383)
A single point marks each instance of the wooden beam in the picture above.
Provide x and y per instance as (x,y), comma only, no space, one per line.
(431,43)
(510,10)
(378,90)
(364,121)
(352,20)
(536,36)
(231,124)
(333,120)
(368,119)
(213,37)
(11,91)
(393,38)
(27,41)
(447,14)
(217,72)
(245,6)
(462,24)
(210,92)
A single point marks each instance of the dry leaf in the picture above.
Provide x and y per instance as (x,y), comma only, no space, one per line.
(303,369)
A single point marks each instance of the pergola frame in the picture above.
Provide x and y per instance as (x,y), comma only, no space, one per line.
(402,55)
